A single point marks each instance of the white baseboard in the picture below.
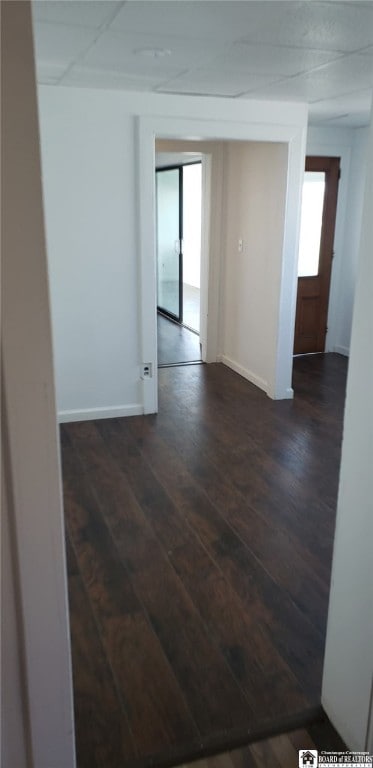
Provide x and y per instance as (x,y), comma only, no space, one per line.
(342,350)
(90,414)
(249,375)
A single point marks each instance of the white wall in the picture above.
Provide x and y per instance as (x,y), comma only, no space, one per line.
(192,210)
(254,209)
(348,666)
(100,243)
(348,144)
(88,162)
(37,627)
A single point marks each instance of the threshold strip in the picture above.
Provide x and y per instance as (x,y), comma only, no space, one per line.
(176,365)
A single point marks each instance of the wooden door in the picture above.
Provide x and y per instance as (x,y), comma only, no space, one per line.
(319,206)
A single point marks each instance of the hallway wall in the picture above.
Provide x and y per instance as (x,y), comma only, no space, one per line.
(254,208)
(347,681)
(89,160)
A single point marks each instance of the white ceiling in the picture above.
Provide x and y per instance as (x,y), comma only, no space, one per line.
(318,52)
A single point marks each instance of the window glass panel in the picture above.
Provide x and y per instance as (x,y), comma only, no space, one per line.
(168,272)
(311,223)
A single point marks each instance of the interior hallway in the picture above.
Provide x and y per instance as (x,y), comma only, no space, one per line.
(199,553)
(176,344)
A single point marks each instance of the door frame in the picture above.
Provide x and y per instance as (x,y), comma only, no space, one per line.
(204,203)
(328,144)
(260,128)
(331,166)
(205,150)
(178,168)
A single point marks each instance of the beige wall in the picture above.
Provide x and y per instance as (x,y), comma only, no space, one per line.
(254,194)
(248,190)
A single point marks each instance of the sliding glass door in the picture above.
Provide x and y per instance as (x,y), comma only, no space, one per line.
(169,240)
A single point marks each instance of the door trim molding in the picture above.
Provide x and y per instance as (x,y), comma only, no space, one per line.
(266,126)
(317,287)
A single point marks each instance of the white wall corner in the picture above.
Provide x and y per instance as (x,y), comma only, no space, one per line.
(281,394)
(342,350)
(245,372)
(280,382)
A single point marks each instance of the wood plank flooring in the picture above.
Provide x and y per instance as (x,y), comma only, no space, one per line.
(281,751)
(199,547)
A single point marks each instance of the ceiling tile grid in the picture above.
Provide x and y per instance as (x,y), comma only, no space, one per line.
(316,51)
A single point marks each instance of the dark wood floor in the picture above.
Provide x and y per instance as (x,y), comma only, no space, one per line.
(280,751)
(176,344)
(199,551)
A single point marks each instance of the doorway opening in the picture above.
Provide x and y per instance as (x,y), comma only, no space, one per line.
(316,244)
(178,247)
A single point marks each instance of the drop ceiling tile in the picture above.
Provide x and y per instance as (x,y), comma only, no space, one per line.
(85,13)
(327,26)
(288,89)
(330,26)
(59,43)
(273,45)
(346,75)
(366,51)
(213,83)
(354,103)
(352,120)
(216,20)
(50,72)
(268,59)
(120,52)
(91,78)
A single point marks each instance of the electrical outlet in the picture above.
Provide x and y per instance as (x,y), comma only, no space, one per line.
(240,245)
(146,371)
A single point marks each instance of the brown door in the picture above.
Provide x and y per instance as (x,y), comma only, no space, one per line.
(319,206)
